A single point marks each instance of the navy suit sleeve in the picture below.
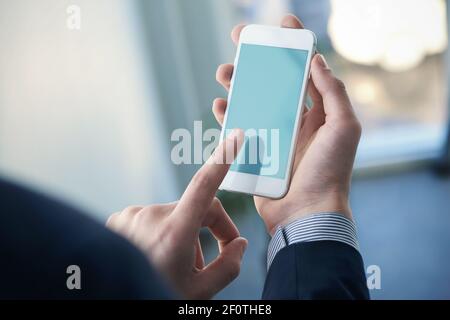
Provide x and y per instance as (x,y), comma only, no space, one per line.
(316,270)
(40,238)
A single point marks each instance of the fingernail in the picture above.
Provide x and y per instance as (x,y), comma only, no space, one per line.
(244,246)
(323,63)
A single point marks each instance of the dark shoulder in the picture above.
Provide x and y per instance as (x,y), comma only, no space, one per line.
(41,237)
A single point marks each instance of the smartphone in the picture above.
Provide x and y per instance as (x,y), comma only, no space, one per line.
(266,97)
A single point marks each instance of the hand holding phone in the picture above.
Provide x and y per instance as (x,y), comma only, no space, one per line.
(266,98)
(324,150)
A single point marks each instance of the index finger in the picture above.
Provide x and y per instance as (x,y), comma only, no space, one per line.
(289,21)
(199,194)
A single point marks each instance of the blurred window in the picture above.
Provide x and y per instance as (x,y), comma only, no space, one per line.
(391,55)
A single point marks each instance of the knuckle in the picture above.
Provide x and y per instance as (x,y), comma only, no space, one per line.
(131,210)
(216,203)
(149,212)
(351,128)
(339,85)
(215,102)
(139,217)
(335,86)
(233,271)
(154,209)
(219,71)
(354,126)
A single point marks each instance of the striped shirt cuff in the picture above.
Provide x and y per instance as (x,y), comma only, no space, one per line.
(316,227)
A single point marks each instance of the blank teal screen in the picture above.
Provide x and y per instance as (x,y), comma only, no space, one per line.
(266,92)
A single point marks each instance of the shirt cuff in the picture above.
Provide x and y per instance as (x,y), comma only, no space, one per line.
(316,227)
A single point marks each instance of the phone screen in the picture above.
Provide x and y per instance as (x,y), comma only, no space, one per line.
(264,103)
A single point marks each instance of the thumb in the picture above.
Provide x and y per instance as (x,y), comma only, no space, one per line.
(224,269)
(336,102)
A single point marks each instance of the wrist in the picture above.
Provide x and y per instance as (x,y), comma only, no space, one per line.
(329,203)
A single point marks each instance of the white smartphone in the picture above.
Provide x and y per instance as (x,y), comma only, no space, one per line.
(266,97)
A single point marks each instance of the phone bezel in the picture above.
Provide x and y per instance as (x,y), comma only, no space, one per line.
(276,37)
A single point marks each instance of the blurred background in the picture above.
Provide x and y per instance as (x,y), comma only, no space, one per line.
(86,115)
